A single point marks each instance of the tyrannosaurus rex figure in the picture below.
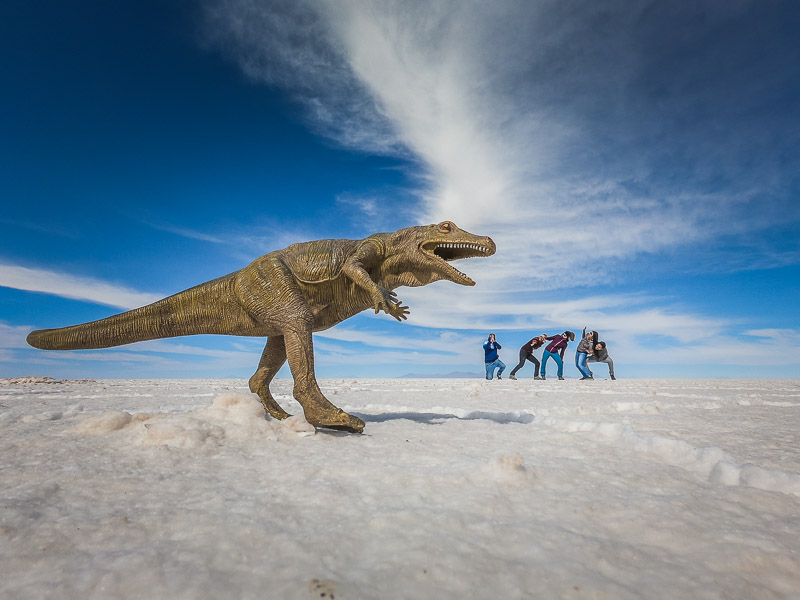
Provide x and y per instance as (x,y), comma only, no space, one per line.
(286,295)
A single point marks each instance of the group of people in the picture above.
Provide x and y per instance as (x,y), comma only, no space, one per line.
(590,350)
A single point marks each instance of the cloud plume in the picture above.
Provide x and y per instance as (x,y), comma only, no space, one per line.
(575,134)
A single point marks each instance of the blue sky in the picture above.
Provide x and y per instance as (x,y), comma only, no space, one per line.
(636,162)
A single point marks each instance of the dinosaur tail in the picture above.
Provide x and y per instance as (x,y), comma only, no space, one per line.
(207,308)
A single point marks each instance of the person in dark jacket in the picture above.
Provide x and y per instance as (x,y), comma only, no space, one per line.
(526,353)
(601,356)
(555,349)
(492,358)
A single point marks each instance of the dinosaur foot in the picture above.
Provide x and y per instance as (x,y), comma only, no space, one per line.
(274,409)
(333,419)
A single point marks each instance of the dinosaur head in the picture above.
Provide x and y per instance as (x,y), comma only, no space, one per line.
(420,255)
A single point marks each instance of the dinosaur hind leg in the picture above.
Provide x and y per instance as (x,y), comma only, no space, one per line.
(270,295)
(272,360)
(318,410)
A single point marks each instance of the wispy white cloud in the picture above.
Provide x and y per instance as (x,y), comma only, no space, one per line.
(536,125)
(188,233)
(579,138)
(246,241)
(175,347)
(13,336)
(72,286)
(379,210)
(779,348)
(341,355)
(50,228)
(446,341)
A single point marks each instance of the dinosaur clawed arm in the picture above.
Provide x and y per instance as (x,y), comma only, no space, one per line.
(386,301)
(391,305)
(382,298)
(398,311)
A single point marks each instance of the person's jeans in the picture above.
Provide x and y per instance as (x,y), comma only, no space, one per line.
(490,367)
(580,362)
(523,356)
(607,360)
(558,360)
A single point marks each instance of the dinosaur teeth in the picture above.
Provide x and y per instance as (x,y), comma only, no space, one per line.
(456,246)
(467,246)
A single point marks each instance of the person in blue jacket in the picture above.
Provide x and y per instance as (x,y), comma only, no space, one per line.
(492,359)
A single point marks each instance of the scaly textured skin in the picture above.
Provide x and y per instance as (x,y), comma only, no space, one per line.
(286,295)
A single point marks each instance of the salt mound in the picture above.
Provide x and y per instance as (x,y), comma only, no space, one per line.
(233,418)
(181,432)
(28,379)
(237,408)
(505,470)
(105,422)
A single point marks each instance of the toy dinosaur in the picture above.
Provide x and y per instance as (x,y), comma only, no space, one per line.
(286,295)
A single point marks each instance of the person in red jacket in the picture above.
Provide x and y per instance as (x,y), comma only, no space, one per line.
(526,353)
(555,349)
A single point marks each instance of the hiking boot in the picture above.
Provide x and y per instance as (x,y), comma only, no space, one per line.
(561,378)
(613,378)
(514,377)
(499,376)
(538,378)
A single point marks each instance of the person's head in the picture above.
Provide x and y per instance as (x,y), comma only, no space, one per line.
(543,337)
(569,335)
(491,337)
(599,345)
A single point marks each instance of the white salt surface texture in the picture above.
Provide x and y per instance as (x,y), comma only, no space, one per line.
(457,489)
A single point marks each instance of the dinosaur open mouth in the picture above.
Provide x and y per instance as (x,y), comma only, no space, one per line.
(444,252)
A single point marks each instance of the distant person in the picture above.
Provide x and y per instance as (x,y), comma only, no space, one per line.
(585,348)
(492,359)
(526,353)
(555,349)
(601,356)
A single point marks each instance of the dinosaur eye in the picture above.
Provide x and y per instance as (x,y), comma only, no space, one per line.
(446,227)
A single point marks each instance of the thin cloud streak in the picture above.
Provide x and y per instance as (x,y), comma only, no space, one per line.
(13,336)
(71,286)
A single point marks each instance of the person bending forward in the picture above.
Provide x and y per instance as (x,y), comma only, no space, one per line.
(526,353)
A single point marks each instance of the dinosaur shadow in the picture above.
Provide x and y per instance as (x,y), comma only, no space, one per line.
(429,418)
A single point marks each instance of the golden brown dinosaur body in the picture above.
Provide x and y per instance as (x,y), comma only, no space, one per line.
(286,295)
